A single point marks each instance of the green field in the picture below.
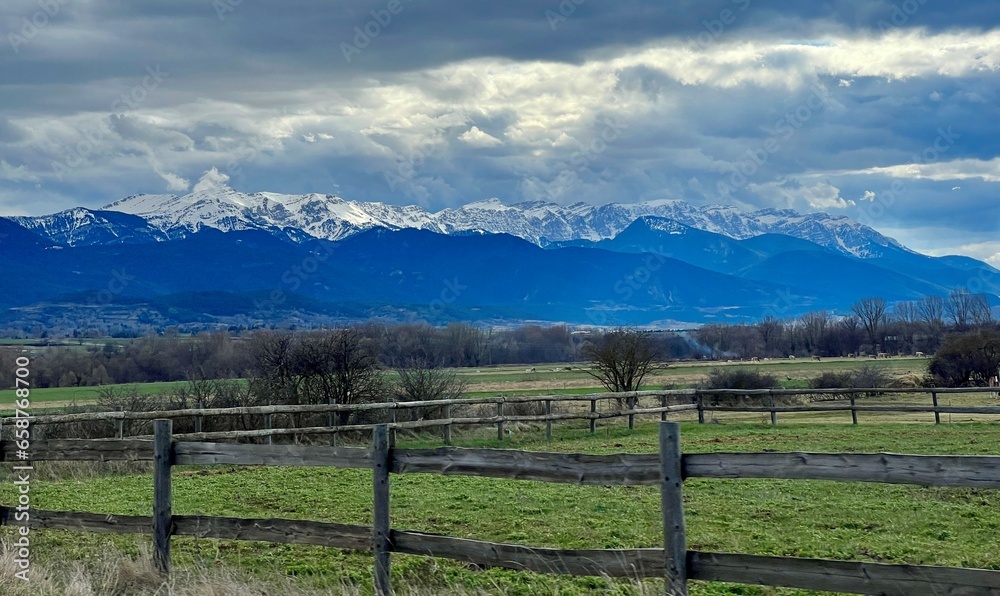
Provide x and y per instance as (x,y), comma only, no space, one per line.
(854,521)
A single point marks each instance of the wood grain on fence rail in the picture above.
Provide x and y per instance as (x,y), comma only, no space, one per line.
(633,563)
(842,576)
(286,531)
(623,469)
(971,471)
(100,523)
(196,453)
(84,450)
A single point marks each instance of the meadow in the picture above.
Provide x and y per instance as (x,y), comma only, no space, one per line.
(886,523)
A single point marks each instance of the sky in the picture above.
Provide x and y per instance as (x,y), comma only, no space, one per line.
(884,112)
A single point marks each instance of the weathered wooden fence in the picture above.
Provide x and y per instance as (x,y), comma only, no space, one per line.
(673,562)
(699,400)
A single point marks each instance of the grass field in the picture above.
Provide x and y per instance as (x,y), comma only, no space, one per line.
(548,378)
(854,521)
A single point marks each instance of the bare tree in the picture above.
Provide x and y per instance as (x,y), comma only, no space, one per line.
(980,312)
(871,313)
(905,314)
(770,330)
(814,327)
(959,307)
(930,310)
(850,328)
(420,379)
(621,359)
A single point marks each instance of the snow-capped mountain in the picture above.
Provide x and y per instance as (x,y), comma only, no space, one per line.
(330,217)
(84,227)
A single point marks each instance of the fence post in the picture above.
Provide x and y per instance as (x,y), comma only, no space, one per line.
(198,419)
(631,406)
(774,414)
(267,426)
(392,417)
(119,425)
(162,499)
(447,426)
(548,420)
(854,413)
(333,423)
(701,409)
(382,462)
(937,414)
(672,503)
(500,420)
(663,404)
(593,419)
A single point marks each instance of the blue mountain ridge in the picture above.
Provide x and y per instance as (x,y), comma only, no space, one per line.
(652,271)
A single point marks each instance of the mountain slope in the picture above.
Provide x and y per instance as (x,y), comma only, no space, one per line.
(331,218)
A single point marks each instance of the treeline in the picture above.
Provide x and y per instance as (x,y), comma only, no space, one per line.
(221,354)
(872,327)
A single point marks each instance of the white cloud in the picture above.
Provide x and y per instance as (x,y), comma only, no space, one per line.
(16,174)
(868,196)
(478,138)
(958,169)
(791,194)
(211,179)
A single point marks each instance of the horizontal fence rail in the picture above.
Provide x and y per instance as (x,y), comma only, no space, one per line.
(668,469)
(629,406)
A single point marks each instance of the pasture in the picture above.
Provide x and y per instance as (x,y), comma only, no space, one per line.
(548,378)
(885,523)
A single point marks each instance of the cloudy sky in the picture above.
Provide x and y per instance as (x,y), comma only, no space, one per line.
(887,113)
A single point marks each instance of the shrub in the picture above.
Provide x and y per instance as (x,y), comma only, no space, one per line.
(966,359)
(739,378)
(832,380)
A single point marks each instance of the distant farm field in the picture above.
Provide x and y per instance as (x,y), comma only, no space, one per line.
(853,521)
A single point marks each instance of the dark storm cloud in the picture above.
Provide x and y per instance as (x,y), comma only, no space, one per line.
(441,102)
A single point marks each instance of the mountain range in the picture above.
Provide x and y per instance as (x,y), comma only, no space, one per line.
(221,257)
(328,217)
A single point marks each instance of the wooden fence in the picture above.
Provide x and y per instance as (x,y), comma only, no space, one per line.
(700,400)
(672,562)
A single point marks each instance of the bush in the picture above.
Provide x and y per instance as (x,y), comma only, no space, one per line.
(738,378)
(832,380)
(967,359)
(867,375)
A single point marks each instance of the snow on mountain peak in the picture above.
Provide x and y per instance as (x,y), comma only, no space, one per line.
(331,217)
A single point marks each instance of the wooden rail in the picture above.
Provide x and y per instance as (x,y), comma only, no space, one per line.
(668,469)
(699,398)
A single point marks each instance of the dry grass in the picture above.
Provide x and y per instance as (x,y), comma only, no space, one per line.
(116,574)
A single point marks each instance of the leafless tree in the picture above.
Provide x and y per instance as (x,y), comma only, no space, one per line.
(906,316)
(871,313)
(814,326)
(959,307)
(621,359)
(770,330)
(420,379)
